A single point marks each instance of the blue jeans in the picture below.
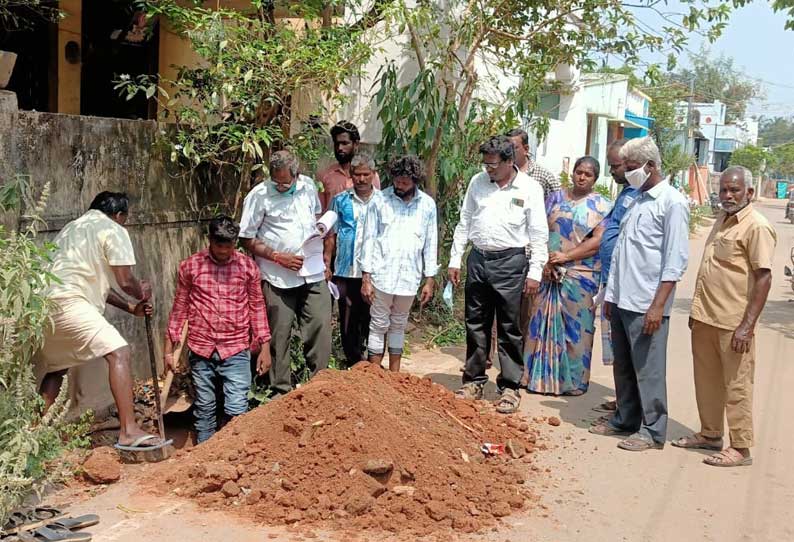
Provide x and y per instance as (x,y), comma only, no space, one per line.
(235,374)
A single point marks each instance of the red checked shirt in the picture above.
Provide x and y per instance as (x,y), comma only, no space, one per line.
(223,305)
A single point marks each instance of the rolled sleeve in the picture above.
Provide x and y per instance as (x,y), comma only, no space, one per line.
(179,311)
(675,250)
(430,250)
(461,235)
(538,231)
(761,246)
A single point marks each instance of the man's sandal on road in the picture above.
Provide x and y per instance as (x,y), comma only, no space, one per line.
(728,457)
(637,443)
(470,390)
(508,401)
(606,406)
(605,429)
(698,442)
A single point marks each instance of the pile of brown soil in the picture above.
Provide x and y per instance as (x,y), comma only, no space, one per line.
(362,449)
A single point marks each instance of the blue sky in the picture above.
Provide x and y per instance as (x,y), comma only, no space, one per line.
(763,50)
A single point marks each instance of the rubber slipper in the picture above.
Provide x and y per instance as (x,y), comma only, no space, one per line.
(74,524)
(27,519)
(606,406)
(53,534)
(607,430)
(139,446)
(696,442)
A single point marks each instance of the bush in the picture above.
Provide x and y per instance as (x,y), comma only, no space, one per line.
(28,440)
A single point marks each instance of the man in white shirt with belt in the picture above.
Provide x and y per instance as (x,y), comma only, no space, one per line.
(503,213)
(279,214)
(399,248)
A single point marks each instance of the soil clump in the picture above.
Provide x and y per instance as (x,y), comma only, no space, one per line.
(363,449)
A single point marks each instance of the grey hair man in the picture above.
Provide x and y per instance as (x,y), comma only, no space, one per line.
(343,248)
(279,214)
(732,286)
(649,259)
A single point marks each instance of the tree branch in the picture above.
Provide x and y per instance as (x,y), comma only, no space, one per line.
(415,43)
(372,17)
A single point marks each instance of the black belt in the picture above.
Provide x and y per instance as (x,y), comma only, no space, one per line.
(500,253)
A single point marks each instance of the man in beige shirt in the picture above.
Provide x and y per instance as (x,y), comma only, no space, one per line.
(93,254)
(731,290)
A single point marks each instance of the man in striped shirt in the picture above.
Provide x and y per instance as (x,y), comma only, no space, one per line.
(219,295)
(399,248)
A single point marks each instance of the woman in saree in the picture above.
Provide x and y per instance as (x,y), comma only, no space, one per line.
(559,344)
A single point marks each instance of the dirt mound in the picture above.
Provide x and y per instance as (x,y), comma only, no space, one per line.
(362,449)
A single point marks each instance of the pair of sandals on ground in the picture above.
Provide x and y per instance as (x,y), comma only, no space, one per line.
(729,457)
(46,524)
(508,402)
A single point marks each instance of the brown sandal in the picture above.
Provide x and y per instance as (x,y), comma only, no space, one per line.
(508,402)
(639,444)
(470,391)
(697,441)
(728,457)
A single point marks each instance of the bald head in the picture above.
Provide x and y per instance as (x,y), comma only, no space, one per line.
(736,189)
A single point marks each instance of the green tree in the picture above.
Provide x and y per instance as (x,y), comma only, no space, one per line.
(776,131)
(717,78)
(18,14)
(782,160)
(238,104)
(752,157)
(464,49)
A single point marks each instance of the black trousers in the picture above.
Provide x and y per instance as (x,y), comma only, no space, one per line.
(353,318)
(494,284)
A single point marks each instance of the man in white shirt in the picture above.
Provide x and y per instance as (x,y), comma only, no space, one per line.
(399,248)
(279,214)
(502,213)
(94,253)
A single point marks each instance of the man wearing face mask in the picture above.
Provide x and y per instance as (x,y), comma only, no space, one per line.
(649,259)
(338,177)
(502,213)
(279,214)
(732,286)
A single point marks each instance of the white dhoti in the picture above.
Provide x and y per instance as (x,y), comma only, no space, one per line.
(79,334)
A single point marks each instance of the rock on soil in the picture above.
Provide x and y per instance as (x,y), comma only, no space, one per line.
(554,421)
(102,466)
(356,450)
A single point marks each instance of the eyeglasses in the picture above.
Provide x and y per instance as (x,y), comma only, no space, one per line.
(490,166)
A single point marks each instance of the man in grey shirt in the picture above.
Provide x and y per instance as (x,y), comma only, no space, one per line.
(649,259)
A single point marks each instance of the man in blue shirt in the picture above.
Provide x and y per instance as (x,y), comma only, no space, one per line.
(346,240)
(649,259)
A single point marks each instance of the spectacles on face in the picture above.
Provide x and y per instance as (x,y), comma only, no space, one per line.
(490,166)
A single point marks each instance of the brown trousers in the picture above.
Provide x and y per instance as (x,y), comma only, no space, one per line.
(723,384)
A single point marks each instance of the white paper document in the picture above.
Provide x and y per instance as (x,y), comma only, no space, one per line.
(313,263)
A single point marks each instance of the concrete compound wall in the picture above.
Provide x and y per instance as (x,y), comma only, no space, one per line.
(81,156)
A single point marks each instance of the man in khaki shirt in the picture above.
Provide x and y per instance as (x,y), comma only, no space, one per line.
(731,290)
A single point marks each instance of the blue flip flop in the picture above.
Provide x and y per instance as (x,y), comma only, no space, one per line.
(139,446)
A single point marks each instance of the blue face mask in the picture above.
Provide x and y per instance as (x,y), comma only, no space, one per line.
(288,192)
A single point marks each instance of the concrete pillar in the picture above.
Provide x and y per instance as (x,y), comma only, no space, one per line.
(69,29)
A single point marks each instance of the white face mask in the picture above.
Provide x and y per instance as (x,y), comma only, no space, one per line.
(637,177)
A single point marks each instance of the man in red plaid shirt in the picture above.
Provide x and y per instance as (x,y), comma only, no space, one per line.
(219,295)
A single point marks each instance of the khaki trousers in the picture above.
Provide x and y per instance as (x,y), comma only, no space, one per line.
(723,384)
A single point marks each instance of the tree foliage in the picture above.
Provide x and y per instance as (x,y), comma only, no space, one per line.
(776,131)
(239,103)
(20,14)
(717,78)
(782,160)
(483,66)
(752,157)
(28,440)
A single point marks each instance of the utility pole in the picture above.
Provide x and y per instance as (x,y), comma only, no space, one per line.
(689,130)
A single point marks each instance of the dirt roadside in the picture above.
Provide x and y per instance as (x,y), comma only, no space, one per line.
(598,492)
